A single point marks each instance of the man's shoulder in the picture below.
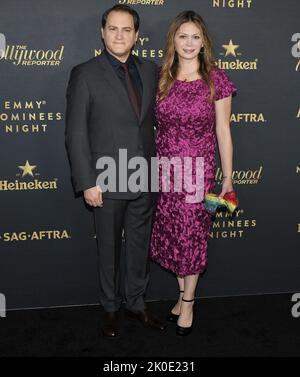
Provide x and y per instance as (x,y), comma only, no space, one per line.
(86,67)
(147,63)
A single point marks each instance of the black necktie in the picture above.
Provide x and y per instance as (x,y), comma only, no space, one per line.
(132,91)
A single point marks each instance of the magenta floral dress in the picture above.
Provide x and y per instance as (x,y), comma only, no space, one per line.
(186,126)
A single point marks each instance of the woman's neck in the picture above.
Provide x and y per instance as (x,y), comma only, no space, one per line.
(188,70)
(188,66)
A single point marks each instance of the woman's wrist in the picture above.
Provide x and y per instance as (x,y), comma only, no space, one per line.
(227,177)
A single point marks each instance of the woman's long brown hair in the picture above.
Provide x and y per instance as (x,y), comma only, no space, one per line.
(169,68)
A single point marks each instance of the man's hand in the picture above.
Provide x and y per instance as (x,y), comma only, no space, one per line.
(93,196)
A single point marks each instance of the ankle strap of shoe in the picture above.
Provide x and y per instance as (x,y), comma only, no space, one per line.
(181,291)
(183,299)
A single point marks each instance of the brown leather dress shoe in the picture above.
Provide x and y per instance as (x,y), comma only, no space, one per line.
(110,326)
(146,319)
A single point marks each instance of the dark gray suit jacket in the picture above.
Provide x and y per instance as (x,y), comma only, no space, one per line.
(100,120)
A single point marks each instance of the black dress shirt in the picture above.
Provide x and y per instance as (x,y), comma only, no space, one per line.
(117,66)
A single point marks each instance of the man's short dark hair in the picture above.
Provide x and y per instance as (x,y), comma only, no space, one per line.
(122,8)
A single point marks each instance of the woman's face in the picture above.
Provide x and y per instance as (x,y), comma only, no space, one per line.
(188,41)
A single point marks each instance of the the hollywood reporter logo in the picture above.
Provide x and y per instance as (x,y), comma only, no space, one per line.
(2,305)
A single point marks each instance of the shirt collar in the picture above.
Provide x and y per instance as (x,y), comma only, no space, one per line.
(116,63)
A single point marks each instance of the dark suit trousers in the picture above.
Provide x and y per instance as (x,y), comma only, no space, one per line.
(135,216)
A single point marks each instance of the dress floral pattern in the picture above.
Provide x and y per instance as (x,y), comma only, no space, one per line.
(186,127)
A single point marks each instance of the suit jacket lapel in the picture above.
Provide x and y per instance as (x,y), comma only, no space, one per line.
(113,80)
(146,87)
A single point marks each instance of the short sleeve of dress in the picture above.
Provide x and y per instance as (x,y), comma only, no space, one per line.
(223,86)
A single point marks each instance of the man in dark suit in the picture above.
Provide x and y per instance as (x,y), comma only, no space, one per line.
(110,106)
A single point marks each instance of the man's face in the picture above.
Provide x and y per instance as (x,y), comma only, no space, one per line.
(119,35)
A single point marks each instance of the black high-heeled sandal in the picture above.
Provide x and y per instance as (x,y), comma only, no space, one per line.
(183,331)
(173,317)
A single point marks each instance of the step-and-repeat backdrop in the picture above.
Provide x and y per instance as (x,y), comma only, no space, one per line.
(47,245)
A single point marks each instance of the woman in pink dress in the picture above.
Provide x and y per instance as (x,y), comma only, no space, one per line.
(193,116)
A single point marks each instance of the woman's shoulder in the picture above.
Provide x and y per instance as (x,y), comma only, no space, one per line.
(219,76)
(217,72)
(223,85)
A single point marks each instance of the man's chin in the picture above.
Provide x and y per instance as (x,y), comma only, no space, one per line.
(120,53)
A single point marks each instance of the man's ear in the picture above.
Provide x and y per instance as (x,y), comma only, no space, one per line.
(136,36)
(102,33)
